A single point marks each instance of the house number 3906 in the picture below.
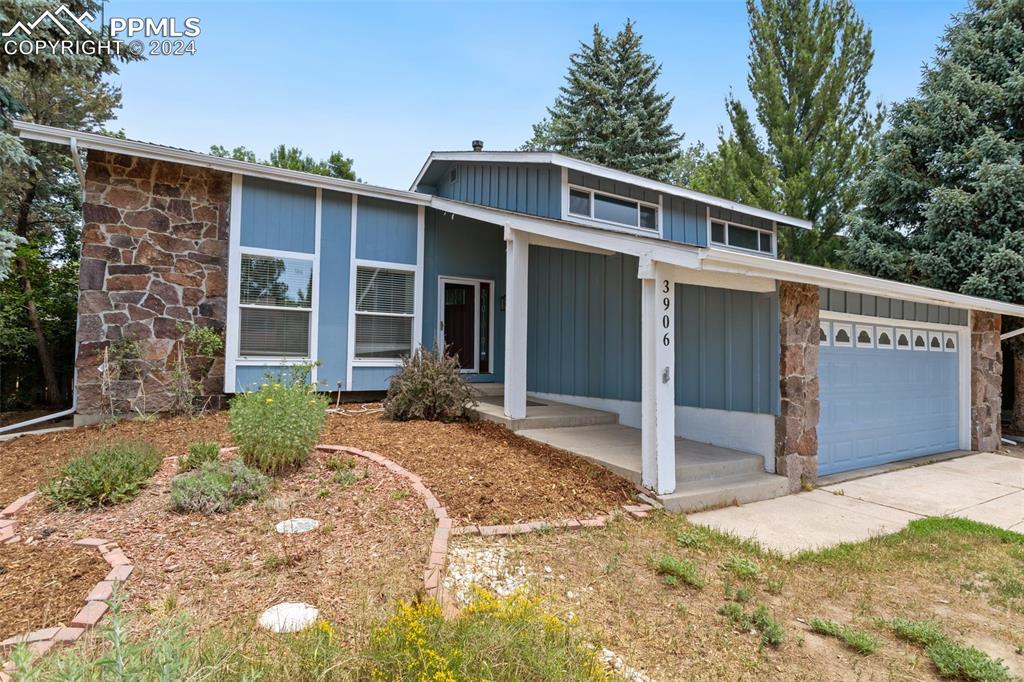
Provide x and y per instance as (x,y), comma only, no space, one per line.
(666,303)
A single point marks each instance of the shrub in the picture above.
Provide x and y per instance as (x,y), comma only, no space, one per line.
(508,638)
(109,474)
(216,487)
(277,426)
(428,386)
(680,569)
(199,453)
(859,641)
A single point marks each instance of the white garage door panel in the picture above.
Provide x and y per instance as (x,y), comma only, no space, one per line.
(881,405)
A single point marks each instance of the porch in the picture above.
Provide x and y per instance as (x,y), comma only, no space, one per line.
(706,475)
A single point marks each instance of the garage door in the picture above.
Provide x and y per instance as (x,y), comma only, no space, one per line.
(887,393)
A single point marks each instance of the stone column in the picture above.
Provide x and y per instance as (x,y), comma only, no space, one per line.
(986,381)
(796,427)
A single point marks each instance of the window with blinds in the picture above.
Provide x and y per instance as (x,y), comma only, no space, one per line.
(385,301)
(276,297)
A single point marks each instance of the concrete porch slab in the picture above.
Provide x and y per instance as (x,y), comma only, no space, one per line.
(542,414)
(805,521)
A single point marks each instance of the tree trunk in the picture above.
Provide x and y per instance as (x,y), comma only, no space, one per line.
(53,390)
(1017,421)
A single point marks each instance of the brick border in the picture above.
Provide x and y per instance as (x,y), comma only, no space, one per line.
(96,606)
(433,575)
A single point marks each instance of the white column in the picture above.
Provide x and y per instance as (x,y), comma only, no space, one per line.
(658,451)
(517,262)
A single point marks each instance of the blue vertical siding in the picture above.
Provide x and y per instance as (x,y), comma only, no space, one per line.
(335,270)
(837,301)
(462,247)
(278,215)
(727,349)
(583,330)
(249,377)
(535,189)
(371,378)
(386,231)
(583,335)
(684,221)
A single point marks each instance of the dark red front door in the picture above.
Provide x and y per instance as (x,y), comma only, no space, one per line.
(459,327)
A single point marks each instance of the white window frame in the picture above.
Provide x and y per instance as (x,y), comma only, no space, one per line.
(414,316)
(475,283)
(824,327)
(870,329)
(878,338)
(933,336)
(842,326)
(232,333)
(598,222)
(726,245)
(910,338)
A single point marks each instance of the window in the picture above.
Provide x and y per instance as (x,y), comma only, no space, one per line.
(842,334)
(884,339)
(823,333)
(865,337)
(935,341)
(453,175)
(385,301)
(742,236)
(608,208)
(276,303)
(950,343)
(903,339)
(920,341)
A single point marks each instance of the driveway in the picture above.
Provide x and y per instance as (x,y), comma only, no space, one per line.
(984,487)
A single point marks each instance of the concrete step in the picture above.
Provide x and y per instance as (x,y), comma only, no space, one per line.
(692,496)
(697,467)
(487,390)
(543,414)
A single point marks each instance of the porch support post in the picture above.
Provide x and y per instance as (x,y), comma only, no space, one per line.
(658,424)
(517,262)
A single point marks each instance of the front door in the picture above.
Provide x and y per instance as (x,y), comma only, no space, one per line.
(459,322)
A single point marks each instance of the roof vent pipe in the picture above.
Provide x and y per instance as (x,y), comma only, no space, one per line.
(478,145)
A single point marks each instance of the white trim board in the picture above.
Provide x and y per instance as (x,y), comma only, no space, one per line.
(475,283)
(233,314)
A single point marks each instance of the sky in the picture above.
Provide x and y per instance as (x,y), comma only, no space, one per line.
(386,83)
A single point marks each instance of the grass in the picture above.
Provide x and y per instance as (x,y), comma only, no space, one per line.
(678,570)
(952,659)
(858,640)
(741,568)
(771,631)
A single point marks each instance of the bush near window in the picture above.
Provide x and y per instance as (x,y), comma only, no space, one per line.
(277,426)
(217,487)
(199,453)
(109,474)
(428,386)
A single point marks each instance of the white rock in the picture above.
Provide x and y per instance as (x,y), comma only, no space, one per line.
(289,617)
(299,525)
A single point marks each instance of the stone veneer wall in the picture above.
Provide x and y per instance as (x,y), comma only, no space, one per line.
(154,261)
(796,427)
(986,381)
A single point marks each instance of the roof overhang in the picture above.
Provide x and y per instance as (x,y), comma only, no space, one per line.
(99,142)
(609,173)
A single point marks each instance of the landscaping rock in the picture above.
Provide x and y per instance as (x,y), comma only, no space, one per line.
(298,525)
(289,617)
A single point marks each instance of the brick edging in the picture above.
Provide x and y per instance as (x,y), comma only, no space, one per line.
(42,640)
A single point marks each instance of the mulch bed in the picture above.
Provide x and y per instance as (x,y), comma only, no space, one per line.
(485,474)
(370,548)
(44,584)
(28,461)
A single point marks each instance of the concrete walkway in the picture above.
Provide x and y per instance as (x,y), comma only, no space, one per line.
(984,487)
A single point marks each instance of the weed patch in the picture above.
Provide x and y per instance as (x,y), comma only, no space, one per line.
(110,474)
(199,453)
(679,570)
(858,640)
(741,568)
(952,659)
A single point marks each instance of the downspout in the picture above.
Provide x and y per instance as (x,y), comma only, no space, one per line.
(77,160)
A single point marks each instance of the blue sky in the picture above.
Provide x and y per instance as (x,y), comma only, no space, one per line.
(386,83)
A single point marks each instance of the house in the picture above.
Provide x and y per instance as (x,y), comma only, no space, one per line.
(549,277)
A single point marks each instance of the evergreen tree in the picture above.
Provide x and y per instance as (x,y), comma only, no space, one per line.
(337,165)
(808,61)
(609,111)
(944,201)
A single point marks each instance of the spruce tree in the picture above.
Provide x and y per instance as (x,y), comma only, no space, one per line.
(609,110)
(808,66)
(944,201)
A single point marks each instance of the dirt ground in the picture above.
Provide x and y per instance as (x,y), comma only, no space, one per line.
(481,472)
(605,579)
(226,569)
(45,584)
